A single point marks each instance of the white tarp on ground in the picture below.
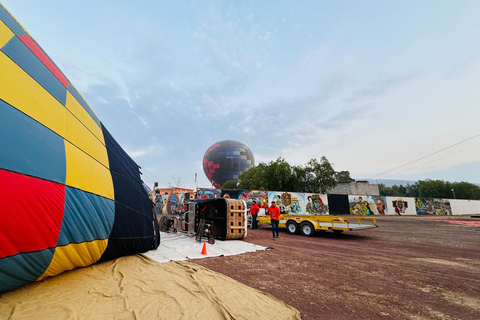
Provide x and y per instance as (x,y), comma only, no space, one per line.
(179,246)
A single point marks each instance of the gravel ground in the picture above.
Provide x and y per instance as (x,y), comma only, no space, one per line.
(408,268)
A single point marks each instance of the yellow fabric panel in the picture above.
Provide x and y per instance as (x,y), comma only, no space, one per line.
(80,136)
(84,173)
(5,34)
(79,112)
(73,256)
(21,91)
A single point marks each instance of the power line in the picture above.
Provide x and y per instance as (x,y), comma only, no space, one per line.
(448,155)
(431,154)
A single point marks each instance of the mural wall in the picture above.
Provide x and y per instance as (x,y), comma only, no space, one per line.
(316,204)
(260,197)
(361,205)
(336,204)
(401,205)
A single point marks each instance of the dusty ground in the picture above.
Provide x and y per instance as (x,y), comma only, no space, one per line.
(408,268)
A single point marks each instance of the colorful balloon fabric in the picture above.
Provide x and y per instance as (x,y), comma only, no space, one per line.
(226,160)
(70,196)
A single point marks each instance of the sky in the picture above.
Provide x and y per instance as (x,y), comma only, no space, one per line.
(382,89)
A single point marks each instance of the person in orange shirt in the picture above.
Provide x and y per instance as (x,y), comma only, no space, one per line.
(254,209)
(274,213)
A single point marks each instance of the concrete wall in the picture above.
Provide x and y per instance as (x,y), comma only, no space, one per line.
(356,187)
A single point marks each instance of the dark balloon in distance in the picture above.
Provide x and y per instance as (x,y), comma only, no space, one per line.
(226,160)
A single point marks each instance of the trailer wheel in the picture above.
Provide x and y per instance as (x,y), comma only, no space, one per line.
(307,229)
(292,227)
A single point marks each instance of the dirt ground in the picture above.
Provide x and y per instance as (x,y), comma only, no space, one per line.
(408,268)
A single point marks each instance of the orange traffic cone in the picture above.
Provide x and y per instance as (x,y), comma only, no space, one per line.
(204,250)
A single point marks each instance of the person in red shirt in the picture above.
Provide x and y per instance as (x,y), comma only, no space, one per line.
(274,213)
(254,209)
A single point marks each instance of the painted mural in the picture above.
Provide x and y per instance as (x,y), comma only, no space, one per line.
(442,207)
(173,202)
(158,207)
(208,193)
(380,208)
(261,197)
(288,202)
(433,206)
(401,206)
(361,205)
(316,204)
(424,206)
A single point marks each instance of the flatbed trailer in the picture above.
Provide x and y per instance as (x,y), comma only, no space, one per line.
(308,224)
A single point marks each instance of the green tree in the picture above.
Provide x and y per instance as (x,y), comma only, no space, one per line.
(253,178)
(299,178)
(384,190)
(320,176)
(463,190)
(315,176)
(433,189)
(278,175)
(230,184)
(398,191)
(343,176)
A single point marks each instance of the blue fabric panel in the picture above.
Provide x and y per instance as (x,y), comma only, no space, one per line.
(30,148)
(86,217)
(84,104)
(23,268)
(25,59)
(10,21)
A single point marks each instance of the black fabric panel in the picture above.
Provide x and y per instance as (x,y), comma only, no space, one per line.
(338,204)
(119,161)
(132,233)
(133,228)
(129,194)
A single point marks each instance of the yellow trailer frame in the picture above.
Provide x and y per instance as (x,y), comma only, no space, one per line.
(308,224)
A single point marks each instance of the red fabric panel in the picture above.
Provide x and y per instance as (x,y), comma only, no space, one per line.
(44,58)
(31,213)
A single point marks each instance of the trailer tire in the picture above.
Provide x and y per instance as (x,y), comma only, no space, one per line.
(307,229)
(292,227)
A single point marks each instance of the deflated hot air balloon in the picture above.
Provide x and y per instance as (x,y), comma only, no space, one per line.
(70,196)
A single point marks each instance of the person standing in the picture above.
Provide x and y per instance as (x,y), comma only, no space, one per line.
(274,213)
(254,209)
(397,210)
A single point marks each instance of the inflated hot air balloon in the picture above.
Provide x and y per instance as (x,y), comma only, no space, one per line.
(70,196)
(226,160)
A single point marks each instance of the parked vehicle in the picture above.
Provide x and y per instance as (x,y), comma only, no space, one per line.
(308,224)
